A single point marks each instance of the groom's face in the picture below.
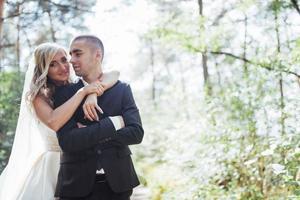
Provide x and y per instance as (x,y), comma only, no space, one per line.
(83,58)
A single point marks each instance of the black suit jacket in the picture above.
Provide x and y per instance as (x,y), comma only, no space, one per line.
(98,142)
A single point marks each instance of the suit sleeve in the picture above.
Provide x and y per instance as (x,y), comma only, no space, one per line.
(72,139)
(133,132)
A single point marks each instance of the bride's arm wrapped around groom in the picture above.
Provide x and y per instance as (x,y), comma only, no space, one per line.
(72,139)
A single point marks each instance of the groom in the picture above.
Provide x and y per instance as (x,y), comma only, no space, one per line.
(96,162)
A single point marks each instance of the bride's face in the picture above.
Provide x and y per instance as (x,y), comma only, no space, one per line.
(59,69)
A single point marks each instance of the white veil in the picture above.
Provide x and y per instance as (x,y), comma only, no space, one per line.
(28,147)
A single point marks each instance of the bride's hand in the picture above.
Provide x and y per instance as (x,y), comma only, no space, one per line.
(95,87)
(90,107)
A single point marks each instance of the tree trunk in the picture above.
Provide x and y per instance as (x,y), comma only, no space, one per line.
(282,104)
(200,3)
(204,56)
(18,45)
(153,91)
(18,39)
(245,45)
(1,16)
(1,25)
(51,26)
(205,69)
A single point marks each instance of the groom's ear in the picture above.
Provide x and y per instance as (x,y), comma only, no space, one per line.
(99,54)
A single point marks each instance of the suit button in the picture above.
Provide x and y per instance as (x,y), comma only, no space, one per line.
(99,151)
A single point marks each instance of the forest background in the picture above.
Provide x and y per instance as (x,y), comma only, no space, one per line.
(216,82)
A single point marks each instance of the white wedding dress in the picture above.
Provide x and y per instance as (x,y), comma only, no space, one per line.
(32,169)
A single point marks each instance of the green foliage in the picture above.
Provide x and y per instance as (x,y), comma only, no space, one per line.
(229,145)
(11,84)
(234,154)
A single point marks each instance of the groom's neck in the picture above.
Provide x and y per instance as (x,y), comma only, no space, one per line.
(93,76)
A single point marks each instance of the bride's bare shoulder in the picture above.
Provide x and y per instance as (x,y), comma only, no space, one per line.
(40,101)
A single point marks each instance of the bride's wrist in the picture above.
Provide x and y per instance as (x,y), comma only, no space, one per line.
(81,92)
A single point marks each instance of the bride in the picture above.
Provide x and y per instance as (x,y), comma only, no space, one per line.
(31,172)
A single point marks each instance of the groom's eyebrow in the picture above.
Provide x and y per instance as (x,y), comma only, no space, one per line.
(75,51)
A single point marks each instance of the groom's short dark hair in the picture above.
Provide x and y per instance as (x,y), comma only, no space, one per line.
(94,41)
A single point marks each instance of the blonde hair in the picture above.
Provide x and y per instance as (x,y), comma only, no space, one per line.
(40,83)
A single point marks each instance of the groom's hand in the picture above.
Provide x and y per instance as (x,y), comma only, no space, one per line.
(80,125)
(117,121)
